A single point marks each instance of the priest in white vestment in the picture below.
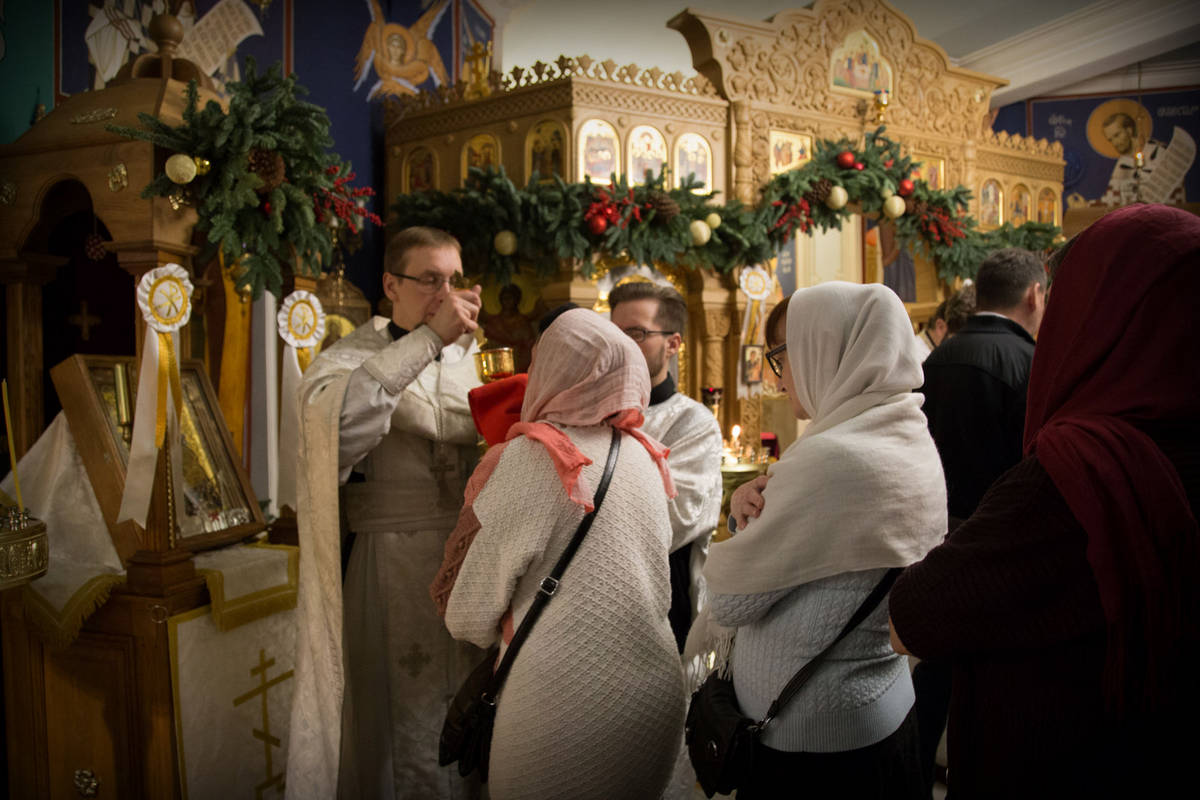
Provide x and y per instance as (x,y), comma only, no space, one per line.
(654,317)
(385,418)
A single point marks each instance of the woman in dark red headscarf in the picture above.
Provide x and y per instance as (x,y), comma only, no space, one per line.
(1069,603)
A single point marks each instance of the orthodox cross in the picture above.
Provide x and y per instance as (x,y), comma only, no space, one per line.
(84,321)
(415,661)
(273,780)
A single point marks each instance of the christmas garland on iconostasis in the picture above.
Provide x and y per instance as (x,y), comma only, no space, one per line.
(501,226)
(268,193)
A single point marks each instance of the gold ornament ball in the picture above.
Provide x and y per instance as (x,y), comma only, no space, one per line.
(894,206)
(505,243)
(886,192)
(838,197)
(203,165)
(181,169)
(701,232)
(713,220)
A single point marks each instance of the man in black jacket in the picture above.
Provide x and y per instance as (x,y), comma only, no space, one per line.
(975,384)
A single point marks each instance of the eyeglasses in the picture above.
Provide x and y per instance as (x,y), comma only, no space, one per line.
(432,283)
(639,334)
(775,359)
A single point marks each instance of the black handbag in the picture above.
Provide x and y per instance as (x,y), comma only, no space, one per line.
(720,738)
(467,731)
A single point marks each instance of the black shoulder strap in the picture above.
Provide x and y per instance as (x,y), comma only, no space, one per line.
(800,678)
(550,582)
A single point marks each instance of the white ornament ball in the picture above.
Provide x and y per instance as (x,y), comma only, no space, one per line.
(505,243)
(713,220)
(181,169)
(894,206)
(701,232)
(838,197)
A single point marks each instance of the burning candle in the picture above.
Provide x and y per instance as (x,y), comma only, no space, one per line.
(735,436)
(12,448)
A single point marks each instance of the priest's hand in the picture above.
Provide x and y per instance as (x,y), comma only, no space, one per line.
(747,500)
(457,314)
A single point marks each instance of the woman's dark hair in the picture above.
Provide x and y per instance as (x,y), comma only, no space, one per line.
(777,321)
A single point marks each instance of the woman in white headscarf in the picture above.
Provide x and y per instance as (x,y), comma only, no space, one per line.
(594,704)
(859,492)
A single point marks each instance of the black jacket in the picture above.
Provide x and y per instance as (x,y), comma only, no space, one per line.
(975,386)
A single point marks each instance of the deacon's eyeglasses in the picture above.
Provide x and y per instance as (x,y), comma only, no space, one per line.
(639,334)
(775,359)
(432,283)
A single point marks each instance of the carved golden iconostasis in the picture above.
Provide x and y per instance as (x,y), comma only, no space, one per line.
(765,92)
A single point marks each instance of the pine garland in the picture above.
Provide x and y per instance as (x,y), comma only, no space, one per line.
(268,162)
(558,220)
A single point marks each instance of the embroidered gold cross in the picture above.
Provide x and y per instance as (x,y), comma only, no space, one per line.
(268,740)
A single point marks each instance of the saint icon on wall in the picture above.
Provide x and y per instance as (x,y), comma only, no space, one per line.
(857,67)
(789,151)
(482,151)
(403,58)
(647,153)
(991,203)
(599,151)
(693,156)
(1047,206)
(1022,206)
(545,150)
(420,171)
(931,169)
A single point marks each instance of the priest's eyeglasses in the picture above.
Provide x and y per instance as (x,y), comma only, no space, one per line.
(775,359)
(639,334)
(430,283)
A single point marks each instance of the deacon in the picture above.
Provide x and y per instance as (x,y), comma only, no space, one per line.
(385,418)
(654,317)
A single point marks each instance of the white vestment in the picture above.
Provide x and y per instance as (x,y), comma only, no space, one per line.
(693,436)
(374,676)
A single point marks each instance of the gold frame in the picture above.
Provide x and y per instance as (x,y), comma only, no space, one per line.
(581,149)
(634,132)
(926,161)
(1055,215)
(482,138)
(533,134)
(407,174)
(1001,211)
(1013,194)
(777,137)
(679,175)
(840,52)
(86,385)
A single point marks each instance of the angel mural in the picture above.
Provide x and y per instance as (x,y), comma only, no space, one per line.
(403,58)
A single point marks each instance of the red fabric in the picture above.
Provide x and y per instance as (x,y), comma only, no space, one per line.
(1118,347)
(496,406)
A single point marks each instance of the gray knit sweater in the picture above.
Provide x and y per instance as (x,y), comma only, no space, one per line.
(857,697)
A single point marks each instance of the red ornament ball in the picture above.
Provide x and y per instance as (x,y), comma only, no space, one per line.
(858,165)
(845,159)
(597,225)
(905,188)
(888,163)
(266,207)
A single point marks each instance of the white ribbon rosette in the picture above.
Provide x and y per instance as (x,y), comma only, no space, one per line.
(302,327)
(757,284)
(165,297)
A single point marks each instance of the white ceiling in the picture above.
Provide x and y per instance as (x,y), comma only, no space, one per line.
(1041,46)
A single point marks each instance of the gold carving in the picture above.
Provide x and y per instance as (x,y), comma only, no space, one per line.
(95,115)
(118,178)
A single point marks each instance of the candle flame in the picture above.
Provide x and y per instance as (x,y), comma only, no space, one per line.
(735,432)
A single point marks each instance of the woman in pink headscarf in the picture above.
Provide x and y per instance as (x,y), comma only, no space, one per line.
(1069,603)
(594,704)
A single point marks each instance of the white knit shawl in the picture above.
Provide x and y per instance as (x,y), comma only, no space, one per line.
(862,488)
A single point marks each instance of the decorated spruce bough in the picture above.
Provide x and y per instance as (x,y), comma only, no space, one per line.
(267,192)
(500,225)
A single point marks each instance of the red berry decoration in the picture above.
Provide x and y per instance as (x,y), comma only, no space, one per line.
(858,165)
(905,188)
(597,225)
(845,159)
(266,207)
(888,164)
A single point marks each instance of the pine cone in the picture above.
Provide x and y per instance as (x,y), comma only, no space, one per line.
(915,208)
(269,167)
(818,192)
(662,203)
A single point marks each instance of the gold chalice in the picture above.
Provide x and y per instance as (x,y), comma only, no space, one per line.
(495,363)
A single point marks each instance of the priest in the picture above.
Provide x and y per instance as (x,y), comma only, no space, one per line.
(386,448)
